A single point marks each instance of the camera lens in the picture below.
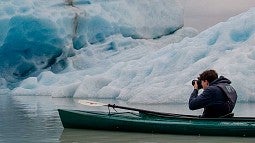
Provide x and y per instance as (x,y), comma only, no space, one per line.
(193,82)
(199,83)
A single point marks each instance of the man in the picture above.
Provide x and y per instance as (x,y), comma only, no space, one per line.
(218,98)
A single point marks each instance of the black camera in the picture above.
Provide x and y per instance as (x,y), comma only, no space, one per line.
(199,83)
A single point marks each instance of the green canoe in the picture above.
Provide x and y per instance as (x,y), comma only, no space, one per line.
(158,123)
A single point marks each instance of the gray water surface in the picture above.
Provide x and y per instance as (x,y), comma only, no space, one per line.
(25,119)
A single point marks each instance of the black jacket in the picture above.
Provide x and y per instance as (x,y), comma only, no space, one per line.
(218,99)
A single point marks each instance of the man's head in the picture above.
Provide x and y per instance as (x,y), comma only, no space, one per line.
(207,77)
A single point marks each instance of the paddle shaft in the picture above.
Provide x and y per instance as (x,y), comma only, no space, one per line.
(146,111)
(93,103)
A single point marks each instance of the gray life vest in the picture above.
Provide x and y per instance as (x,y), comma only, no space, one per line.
(229,91)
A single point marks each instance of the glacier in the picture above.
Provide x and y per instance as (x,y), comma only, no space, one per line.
(109,50)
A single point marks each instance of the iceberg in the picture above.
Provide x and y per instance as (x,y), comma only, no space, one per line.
(36,35)
(135,51)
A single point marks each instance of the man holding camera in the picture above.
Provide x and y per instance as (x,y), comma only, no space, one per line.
(218,97)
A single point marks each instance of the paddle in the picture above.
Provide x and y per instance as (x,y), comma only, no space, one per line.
(93,103)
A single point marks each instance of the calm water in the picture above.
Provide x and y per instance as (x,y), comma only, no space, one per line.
(35,119)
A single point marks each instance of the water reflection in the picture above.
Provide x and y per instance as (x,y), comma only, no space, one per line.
(23,122)
(93,136)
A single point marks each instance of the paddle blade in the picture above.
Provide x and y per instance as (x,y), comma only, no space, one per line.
(91,103)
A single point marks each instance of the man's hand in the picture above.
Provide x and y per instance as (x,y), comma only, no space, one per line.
(195,85)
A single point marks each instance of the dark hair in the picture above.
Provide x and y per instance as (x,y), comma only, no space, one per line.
(209,75)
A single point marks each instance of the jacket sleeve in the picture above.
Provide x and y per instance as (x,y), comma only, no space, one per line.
(200,101)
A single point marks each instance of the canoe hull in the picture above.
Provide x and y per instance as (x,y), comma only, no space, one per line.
(132,122)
